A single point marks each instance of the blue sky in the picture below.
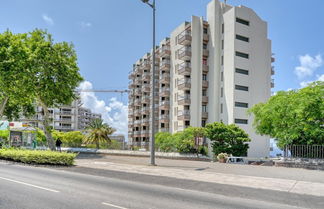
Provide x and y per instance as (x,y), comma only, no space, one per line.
(110,35)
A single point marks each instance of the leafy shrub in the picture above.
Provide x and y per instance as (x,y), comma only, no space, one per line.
(113,144)
(221,156)
(69,139)
(37,156)
(164,141)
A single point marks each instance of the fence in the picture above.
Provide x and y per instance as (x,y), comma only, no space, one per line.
(304,151)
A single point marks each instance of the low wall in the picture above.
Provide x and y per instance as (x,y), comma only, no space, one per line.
(314,164)
(168,155)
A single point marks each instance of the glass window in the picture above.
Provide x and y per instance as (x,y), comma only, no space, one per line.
(242,38)
(241,104)
(241,54)
(244,22)
(241,121)
(241,71)
(242,88)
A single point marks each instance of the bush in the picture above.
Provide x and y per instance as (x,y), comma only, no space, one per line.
(114,144)
(37,156)
(164,142)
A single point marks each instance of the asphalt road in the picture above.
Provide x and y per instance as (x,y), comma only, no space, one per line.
(27,187)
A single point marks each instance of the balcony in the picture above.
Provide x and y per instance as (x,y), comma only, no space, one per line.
(63,127)
(137,102)
(146,88)
(205,84)
(164,129)
(146,76)
(145,121)
(137,122)
(184,53)
(65,120)
(138,92)
(164,92)
(206,37)
(184,115)
(137,112)
(272,83)
(145,110)
(205,68)
(137,133)
(131,85)
(165,51)
(272,70)
(146,99)
(185,38)
(164,118)
(184,68)
(65,113)
(145,65)
(205,52)
(164,105)
(204,115)
(273,59)
(204,99)
(184,84)
(165,78)
(184,99)
(165,65)
(145,133)
(131,75)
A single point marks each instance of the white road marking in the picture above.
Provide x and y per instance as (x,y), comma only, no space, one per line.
(31,185)
(115,206)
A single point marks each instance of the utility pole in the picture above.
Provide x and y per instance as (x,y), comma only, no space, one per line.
(152,142)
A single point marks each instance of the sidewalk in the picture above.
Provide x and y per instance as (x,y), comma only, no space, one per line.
(298,181)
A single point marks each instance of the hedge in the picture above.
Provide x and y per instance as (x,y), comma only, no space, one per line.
(37,156)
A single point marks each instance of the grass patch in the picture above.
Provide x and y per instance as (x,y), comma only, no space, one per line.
(38,157)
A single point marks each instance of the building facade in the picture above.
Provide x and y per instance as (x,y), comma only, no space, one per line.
(207,71)
(64,118)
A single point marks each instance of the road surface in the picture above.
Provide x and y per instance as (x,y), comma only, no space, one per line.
(28,187)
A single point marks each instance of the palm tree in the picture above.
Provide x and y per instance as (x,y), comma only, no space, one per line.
(97,132)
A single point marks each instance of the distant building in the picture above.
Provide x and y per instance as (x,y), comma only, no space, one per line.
(64,118)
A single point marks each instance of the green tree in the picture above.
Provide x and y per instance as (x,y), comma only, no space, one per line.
(228,139)
(293,117)
(97,132)
(198,133)
(164,142)
(15,76)
(55,74)
(184,141)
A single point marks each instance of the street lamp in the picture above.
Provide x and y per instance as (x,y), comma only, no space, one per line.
(152,142)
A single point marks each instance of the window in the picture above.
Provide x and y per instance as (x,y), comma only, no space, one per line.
(222,76)
(204,77)
(222,60)
(242,88)
(241,54)
(222,44)
(204,61)
(242,38)
(244,22)
(203,123)
(223,28)
(241,121)
(221,108)
(241,71)
(187,123)
(241,104)
(222,92)
(204,108)
(205,30)
(204,92)
(204,46)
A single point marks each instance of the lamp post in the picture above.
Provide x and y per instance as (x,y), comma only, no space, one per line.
(152,142)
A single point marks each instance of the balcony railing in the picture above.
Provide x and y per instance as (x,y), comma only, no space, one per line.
(185,38)
(272,70)
(164,91)
(204,115)
(165,78)
(205,68)
(184,115)
(164,129)
(165,51)
(165,104)
(205,53)
(184,99)
(184,68)
(146,76)
(204,99)
(184,84)
(165,64)
(146,99)
(145,65)
(184,53)
(205,84)
(272,83)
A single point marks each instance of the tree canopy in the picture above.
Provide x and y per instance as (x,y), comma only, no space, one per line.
(293,117)
(97,132)
(229,139)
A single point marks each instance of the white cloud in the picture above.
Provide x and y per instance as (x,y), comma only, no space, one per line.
(115,113)
(85,24)
(48,19)
(308,65)
(305,83)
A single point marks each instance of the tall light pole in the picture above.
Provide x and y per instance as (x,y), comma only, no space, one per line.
(152,142)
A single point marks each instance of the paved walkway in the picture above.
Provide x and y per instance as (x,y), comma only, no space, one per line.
(298,181)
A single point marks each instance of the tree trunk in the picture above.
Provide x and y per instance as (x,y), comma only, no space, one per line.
(3,105)
(47,128)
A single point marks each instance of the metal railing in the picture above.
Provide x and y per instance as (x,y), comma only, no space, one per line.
(304,151)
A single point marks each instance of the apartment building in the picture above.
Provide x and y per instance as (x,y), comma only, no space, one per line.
(208,70)
(64,118)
